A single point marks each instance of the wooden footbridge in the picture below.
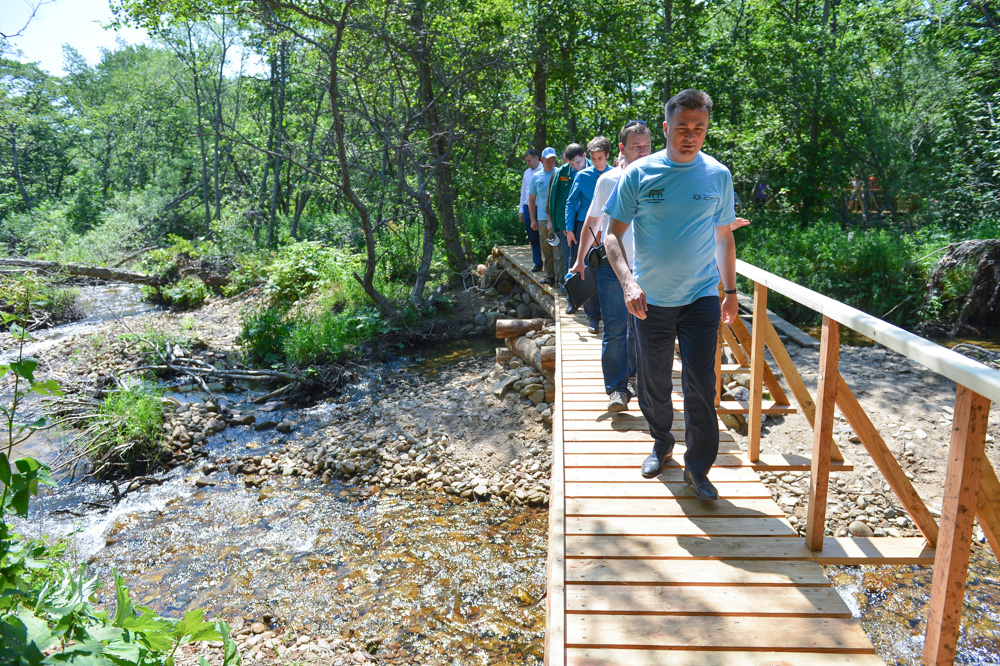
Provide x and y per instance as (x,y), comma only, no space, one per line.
(642,573)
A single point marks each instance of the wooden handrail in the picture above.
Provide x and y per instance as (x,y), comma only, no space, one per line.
(964,371)
(971,485)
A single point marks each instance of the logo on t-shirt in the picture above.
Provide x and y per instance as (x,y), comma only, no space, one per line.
(705,197)
(655,196)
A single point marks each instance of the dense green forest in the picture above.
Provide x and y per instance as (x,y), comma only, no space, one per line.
(369,150)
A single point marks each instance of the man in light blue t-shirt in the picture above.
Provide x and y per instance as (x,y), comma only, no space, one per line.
(538,192)
(680,203)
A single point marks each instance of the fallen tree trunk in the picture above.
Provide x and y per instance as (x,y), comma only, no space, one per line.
(514,328)
(542,359)
(101,272)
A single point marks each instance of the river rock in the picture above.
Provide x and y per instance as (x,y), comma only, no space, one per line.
(238,419)
(285,426)
(503,385)
(203,482)
(265,425)
(859,529)
(258,627)
(537,397)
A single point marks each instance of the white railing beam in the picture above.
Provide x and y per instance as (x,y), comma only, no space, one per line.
(964,371)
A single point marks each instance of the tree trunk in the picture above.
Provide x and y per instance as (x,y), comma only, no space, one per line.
(201,133)
(367,281)
(542,359)
(539,81)
(438,145)
(513,328)
(668,31)
(17,174)
(101,272)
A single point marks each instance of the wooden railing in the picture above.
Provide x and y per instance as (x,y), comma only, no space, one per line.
(971,486)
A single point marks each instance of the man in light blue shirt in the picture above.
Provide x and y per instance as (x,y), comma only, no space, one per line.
(680,203)
(538,192)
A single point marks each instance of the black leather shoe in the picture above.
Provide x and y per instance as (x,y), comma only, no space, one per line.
(537,269)
(703,488)
(653,464)
(570,309)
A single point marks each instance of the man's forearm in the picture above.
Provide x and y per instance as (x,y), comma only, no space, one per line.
(725,257)
(614,247)
(531,209)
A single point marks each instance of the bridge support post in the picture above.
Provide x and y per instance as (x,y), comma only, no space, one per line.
(757,366)
(826,399)
(951,563)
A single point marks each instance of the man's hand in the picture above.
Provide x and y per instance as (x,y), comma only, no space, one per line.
(635,299)
(740,222)
(729,309)
(520,217)
(571,237)
(579,269)
(534,225)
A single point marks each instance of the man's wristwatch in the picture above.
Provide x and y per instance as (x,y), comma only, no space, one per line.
(728,291)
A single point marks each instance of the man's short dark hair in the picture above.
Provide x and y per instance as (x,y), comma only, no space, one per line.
(599,143)
(689,99)
(574,150)
(630,128)
(532,153)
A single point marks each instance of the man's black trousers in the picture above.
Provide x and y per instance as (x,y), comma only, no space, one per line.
(696,327)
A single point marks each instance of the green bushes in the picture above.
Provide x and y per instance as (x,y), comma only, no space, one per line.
(188,292)
(879,271)
(314,310)
(36,299)
(487,225)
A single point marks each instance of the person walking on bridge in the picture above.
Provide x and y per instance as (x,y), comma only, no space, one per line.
(533,162)
(538,193)
(618,358)
(577,205)
(680,204)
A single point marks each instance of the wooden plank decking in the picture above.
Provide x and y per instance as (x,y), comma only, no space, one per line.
(642,573)
(649,574)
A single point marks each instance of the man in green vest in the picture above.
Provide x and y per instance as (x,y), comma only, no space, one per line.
(575,157)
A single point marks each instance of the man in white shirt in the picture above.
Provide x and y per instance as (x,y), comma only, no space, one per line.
(533,162)
(618,357)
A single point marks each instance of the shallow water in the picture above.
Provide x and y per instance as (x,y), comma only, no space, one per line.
(891,604)
(100,304)
(451,581)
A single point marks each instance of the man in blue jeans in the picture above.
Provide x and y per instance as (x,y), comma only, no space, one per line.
(680,203)
(532,161)
(618,356)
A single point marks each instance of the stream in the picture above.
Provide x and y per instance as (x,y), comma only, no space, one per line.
(447,581)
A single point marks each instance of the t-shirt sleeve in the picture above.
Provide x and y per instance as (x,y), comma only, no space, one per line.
(624,200)
(725,214)
(601,193)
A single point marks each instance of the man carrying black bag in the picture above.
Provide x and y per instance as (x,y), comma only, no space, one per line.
(618,358)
